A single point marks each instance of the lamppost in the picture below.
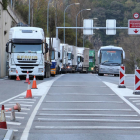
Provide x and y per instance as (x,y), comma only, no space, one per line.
(29,14)
(48,16)
(76,22)
(64,17)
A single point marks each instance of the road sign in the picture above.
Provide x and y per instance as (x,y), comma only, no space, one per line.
(111,23)
(88,23)
(134,27)
(137,82)
(136,15)
(122,77)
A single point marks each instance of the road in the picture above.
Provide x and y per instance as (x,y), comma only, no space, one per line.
(74,107)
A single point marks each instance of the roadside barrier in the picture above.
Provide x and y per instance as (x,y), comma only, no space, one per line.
(17,76)
(29,92)
(12,118)
(27,78)
(122,77)
(16,107)
(34,85)
(3,123)
(137,82)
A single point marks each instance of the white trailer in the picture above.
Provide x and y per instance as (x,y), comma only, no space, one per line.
(70,58)
(86,60)
(74,60)
(63,57)
(27,51)
(80,58)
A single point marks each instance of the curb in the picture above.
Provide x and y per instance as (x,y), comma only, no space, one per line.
(9,135)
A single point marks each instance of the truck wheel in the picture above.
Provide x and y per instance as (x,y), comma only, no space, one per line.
(41,78)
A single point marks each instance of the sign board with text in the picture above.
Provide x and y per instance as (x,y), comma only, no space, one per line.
(110,23)
(134,27)
(88,23)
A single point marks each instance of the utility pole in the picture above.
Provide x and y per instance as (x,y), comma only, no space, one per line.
(29,14)
(32,18)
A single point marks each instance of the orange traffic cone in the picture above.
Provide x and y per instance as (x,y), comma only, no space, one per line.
(34,86)
(17,77)
(3,119)
(16,107)
(29,92)
(27,78)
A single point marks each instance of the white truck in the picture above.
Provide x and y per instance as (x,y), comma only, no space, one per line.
(74,60)
(80,58)
(86,60)
(55,55)
(28,51)
(63,57)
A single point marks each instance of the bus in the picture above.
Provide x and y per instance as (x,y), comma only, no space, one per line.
(91,60)
(110,60)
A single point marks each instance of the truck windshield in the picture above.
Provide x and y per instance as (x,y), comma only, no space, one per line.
(69,56)
(111,57)
(90,59)
(53,55)
(27,48)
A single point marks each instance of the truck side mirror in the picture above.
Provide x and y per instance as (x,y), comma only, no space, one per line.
(46,49)
(60,60)
(58,54)
(7,46)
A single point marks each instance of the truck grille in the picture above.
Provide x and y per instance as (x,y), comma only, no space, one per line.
(26,61)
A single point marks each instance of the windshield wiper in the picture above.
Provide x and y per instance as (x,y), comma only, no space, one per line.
(106,61)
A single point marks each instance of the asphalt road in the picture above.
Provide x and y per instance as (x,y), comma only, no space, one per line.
(74,107)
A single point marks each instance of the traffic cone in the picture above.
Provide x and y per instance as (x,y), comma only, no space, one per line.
(34,86)
(17,77)
(12,118)
(3,119)
(16,107)
(29,92)
(27,78)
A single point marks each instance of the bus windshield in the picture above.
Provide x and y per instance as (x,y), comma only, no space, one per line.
(27,48)
(111,57)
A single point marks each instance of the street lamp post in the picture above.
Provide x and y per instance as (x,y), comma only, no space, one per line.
(64,16)
(29,14)
(76,22)
(48,16)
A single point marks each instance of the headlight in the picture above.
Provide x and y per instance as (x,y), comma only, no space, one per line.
(92,68)
(13,69)
(62,67)
(40,70)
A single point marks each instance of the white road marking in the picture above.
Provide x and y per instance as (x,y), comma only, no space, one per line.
(134,98)
(13,123)
(45,86)
(88,115)
(87,127)
(78,86)
(89,120)
(15,130)
(25,99)
(121,93)
(22,102)
(16,117)
(63,109)
(15,104)
(118,102)
(18,112)
(83,94)
(136,101)
(21,108)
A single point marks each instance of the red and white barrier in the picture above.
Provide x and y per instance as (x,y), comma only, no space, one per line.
(137,82)
(122,77)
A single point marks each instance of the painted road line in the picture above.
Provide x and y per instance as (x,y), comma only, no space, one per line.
(63,109)
(25,99)
(15,104)
(122,93)
(87,127)
(83,94)
(45,86)
(18,112)
(22,102)
(136,101)
(88,120)
(134,98)
(88,115)
(13,123)
(79,86)
(16,117)
(15,130)
(118,102)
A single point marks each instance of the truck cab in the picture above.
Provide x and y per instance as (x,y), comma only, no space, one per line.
(26,52)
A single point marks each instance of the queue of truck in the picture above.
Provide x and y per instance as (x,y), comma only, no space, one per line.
(29,50)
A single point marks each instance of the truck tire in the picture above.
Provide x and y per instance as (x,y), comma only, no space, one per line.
(41,77)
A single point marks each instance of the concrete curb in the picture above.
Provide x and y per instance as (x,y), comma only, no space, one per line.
(9,135)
